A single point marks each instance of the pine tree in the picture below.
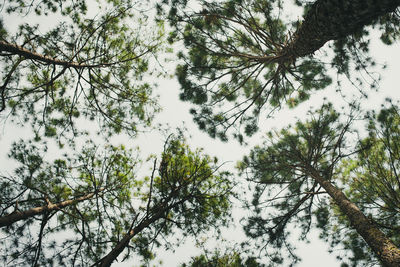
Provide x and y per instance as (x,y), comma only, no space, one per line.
(243,58)
(78,202)
(295,171)
(83,67)
(370,179)
(110,211)
(188,195)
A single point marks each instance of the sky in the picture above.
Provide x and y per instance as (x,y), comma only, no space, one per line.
(176,114)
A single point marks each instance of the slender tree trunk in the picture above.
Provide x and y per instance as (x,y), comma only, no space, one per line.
(384,249)
(23,52)
(23,215)
(114,253)
(15,49)
(331,20)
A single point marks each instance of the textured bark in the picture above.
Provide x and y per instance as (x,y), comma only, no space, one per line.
(23,52)
(333,19)
(27,54)
(114,253)
(384,249)
(23,215)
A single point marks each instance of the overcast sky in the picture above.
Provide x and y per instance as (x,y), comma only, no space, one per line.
(176,113)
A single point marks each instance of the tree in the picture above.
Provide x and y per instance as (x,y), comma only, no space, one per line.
(188,195)
(216,259)
(101,205)
(328,20)
(86,66)
(242,55)
(294,172)
(65,212)
(18,215)
(371,180)
(91,207)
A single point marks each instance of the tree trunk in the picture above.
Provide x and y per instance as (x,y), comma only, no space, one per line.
(23,52)
(384,249)
(114,253)
(23,215)
(331,20)
(161,209)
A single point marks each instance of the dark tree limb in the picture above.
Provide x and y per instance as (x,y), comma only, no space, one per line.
(23,215)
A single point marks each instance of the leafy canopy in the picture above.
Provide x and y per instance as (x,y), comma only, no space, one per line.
(241,61)
(87,227)
(189,195)
(84,67)
(370,179)
(286,195)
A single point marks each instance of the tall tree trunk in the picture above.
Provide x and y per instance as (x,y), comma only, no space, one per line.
(23,215)
(384,249)
(114,253)
(14,49)
(23,52)
(331,20)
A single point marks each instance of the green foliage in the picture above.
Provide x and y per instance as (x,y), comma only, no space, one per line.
(203,193)
(88,226)
(242,62)
(285,193)
(190,194)
(46,7)
(233,259)
(83,68)
(64,78)
(389,25)
(352,52)
(231,69)
(371,180)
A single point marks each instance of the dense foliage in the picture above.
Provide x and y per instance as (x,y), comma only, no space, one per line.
(217,259)
(244,59)
(297,173)
(88,69)
(371,180)
(285,193)
(79,232)
(88,65)
(188,194)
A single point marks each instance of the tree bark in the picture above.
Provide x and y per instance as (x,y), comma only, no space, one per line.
(23,215)
(23,52)
(331,20)
(384,249)
(114,253)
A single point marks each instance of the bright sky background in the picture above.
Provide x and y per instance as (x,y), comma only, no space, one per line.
(175,113)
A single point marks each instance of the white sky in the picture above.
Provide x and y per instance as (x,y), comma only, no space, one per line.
(176,112)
